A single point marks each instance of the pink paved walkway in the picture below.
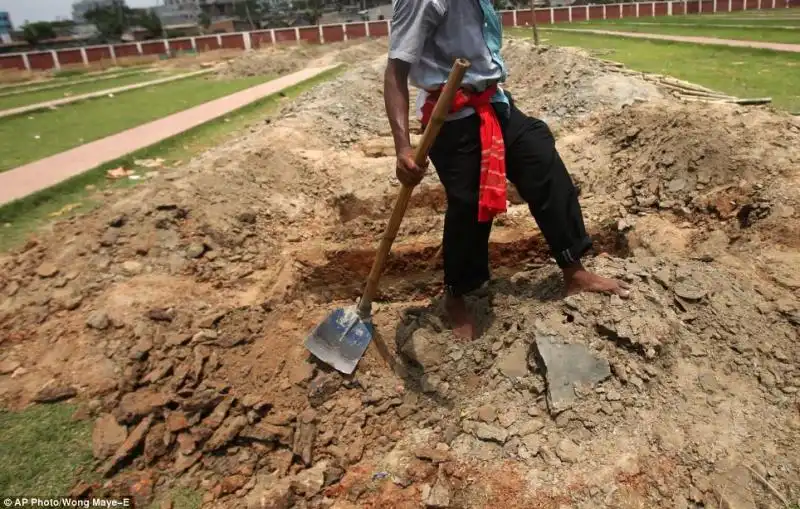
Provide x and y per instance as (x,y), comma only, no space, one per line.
(776,46)
(24,180)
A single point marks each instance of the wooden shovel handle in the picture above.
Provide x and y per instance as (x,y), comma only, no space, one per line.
(440,112)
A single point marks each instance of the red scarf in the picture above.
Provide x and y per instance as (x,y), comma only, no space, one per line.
(492,195)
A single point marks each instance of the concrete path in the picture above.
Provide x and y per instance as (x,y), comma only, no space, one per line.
(24,180)
(100,93)
(775,46)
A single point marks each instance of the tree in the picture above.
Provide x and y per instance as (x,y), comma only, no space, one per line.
(149,20)
(38,31)
(111,20)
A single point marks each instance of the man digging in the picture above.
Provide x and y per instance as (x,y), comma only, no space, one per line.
(484,141)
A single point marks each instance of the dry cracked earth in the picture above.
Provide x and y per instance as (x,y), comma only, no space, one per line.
(175,313)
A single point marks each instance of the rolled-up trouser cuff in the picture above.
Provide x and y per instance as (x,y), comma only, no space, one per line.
(572,255)
(463,288)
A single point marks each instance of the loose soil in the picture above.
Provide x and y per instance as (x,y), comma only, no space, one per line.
(176,313)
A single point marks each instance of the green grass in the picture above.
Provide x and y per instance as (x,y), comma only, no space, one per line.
(721,32)
(766,19)
(40,450)
(67,76)
(67,90)
(182,498)
(20,218)
(73,125)
(742,72)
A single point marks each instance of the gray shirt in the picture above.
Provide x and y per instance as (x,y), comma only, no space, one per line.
(431,34)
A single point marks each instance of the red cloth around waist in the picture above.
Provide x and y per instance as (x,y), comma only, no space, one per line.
(492,193)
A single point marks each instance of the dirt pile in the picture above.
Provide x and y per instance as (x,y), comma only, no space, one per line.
(175,315)
(279,60)
(562,83)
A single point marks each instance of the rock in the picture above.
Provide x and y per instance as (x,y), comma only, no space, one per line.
(270,493)
(107,436)
(216,418)
(186,443)
(265,432)
(227,432)
(161,370)
(109,238)
(53,393)
(8,366)
(184,462)
(301,373)
(514,362)
(322,387)
(310,482)
(247,217)
(424,348)
(132,442)
(304,440)
(731,489)
(195,250)
(688,291)
(140,350)
(132,268)
(568,451)
(176,421)
(529,427)
(138,404)
(435,456)
(438,495)
(533,443)
(12,288)
(491,433)
(118,221)
(98,320)
(232,483)
(161,314)
(487,413)
(46,270)
(613,395)
(155,445)
(567,365)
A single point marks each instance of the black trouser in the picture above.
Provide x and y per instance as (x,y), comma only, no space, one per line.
(532,165)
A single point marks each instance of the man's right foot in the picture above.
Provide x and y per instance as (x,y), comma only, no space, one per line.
(461,320)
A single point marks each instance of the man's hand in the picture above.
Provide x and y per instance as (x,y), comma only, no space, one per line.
(408,172)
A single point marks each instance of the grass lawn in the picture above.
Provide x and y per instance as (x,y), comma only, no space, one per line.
(40,450)
(68,89)
(767,18)
(63,76)
(31,137)
(19,218)
(742,72)
(746,34)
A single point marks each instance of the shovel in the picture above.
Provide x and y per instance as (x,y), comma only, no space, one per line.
(341,340)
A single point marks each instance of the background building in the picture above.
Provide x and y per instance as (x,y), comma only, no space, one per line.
(5,28)
(81,7)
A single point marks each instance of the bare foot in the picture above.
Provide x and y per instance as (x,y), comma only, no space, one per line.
(461,320)
(578,280)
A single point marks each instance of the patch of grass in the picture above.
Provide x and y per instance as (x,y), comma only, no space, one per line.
(21,217)
(775,17)
(741,72)
(34,136)
(182,498)
(40,450)
(67,90)
(720,32)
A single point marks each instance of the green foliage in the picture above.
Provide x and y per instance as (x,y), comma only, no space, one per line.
(38,31)
(111,20)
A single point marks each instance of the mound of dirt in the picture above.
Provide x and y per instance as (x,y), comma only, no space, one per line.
(279,60)
(561,83)
(175,314)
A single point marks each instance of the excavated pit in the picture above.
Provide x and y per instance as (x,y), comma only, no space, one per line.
(414,269)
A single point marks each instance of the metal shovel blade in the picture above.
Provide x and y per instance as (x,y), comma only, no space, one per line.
(341,339)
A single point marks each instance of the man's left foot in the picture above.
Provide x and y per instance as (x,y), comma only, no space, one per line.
(578,280)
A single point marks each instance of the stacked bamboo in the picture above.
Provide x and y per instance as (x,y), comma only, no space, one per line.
(683,90)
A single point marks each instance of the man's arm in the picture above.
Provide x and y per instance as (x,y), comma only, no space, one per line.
(396,98)
(413,21)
